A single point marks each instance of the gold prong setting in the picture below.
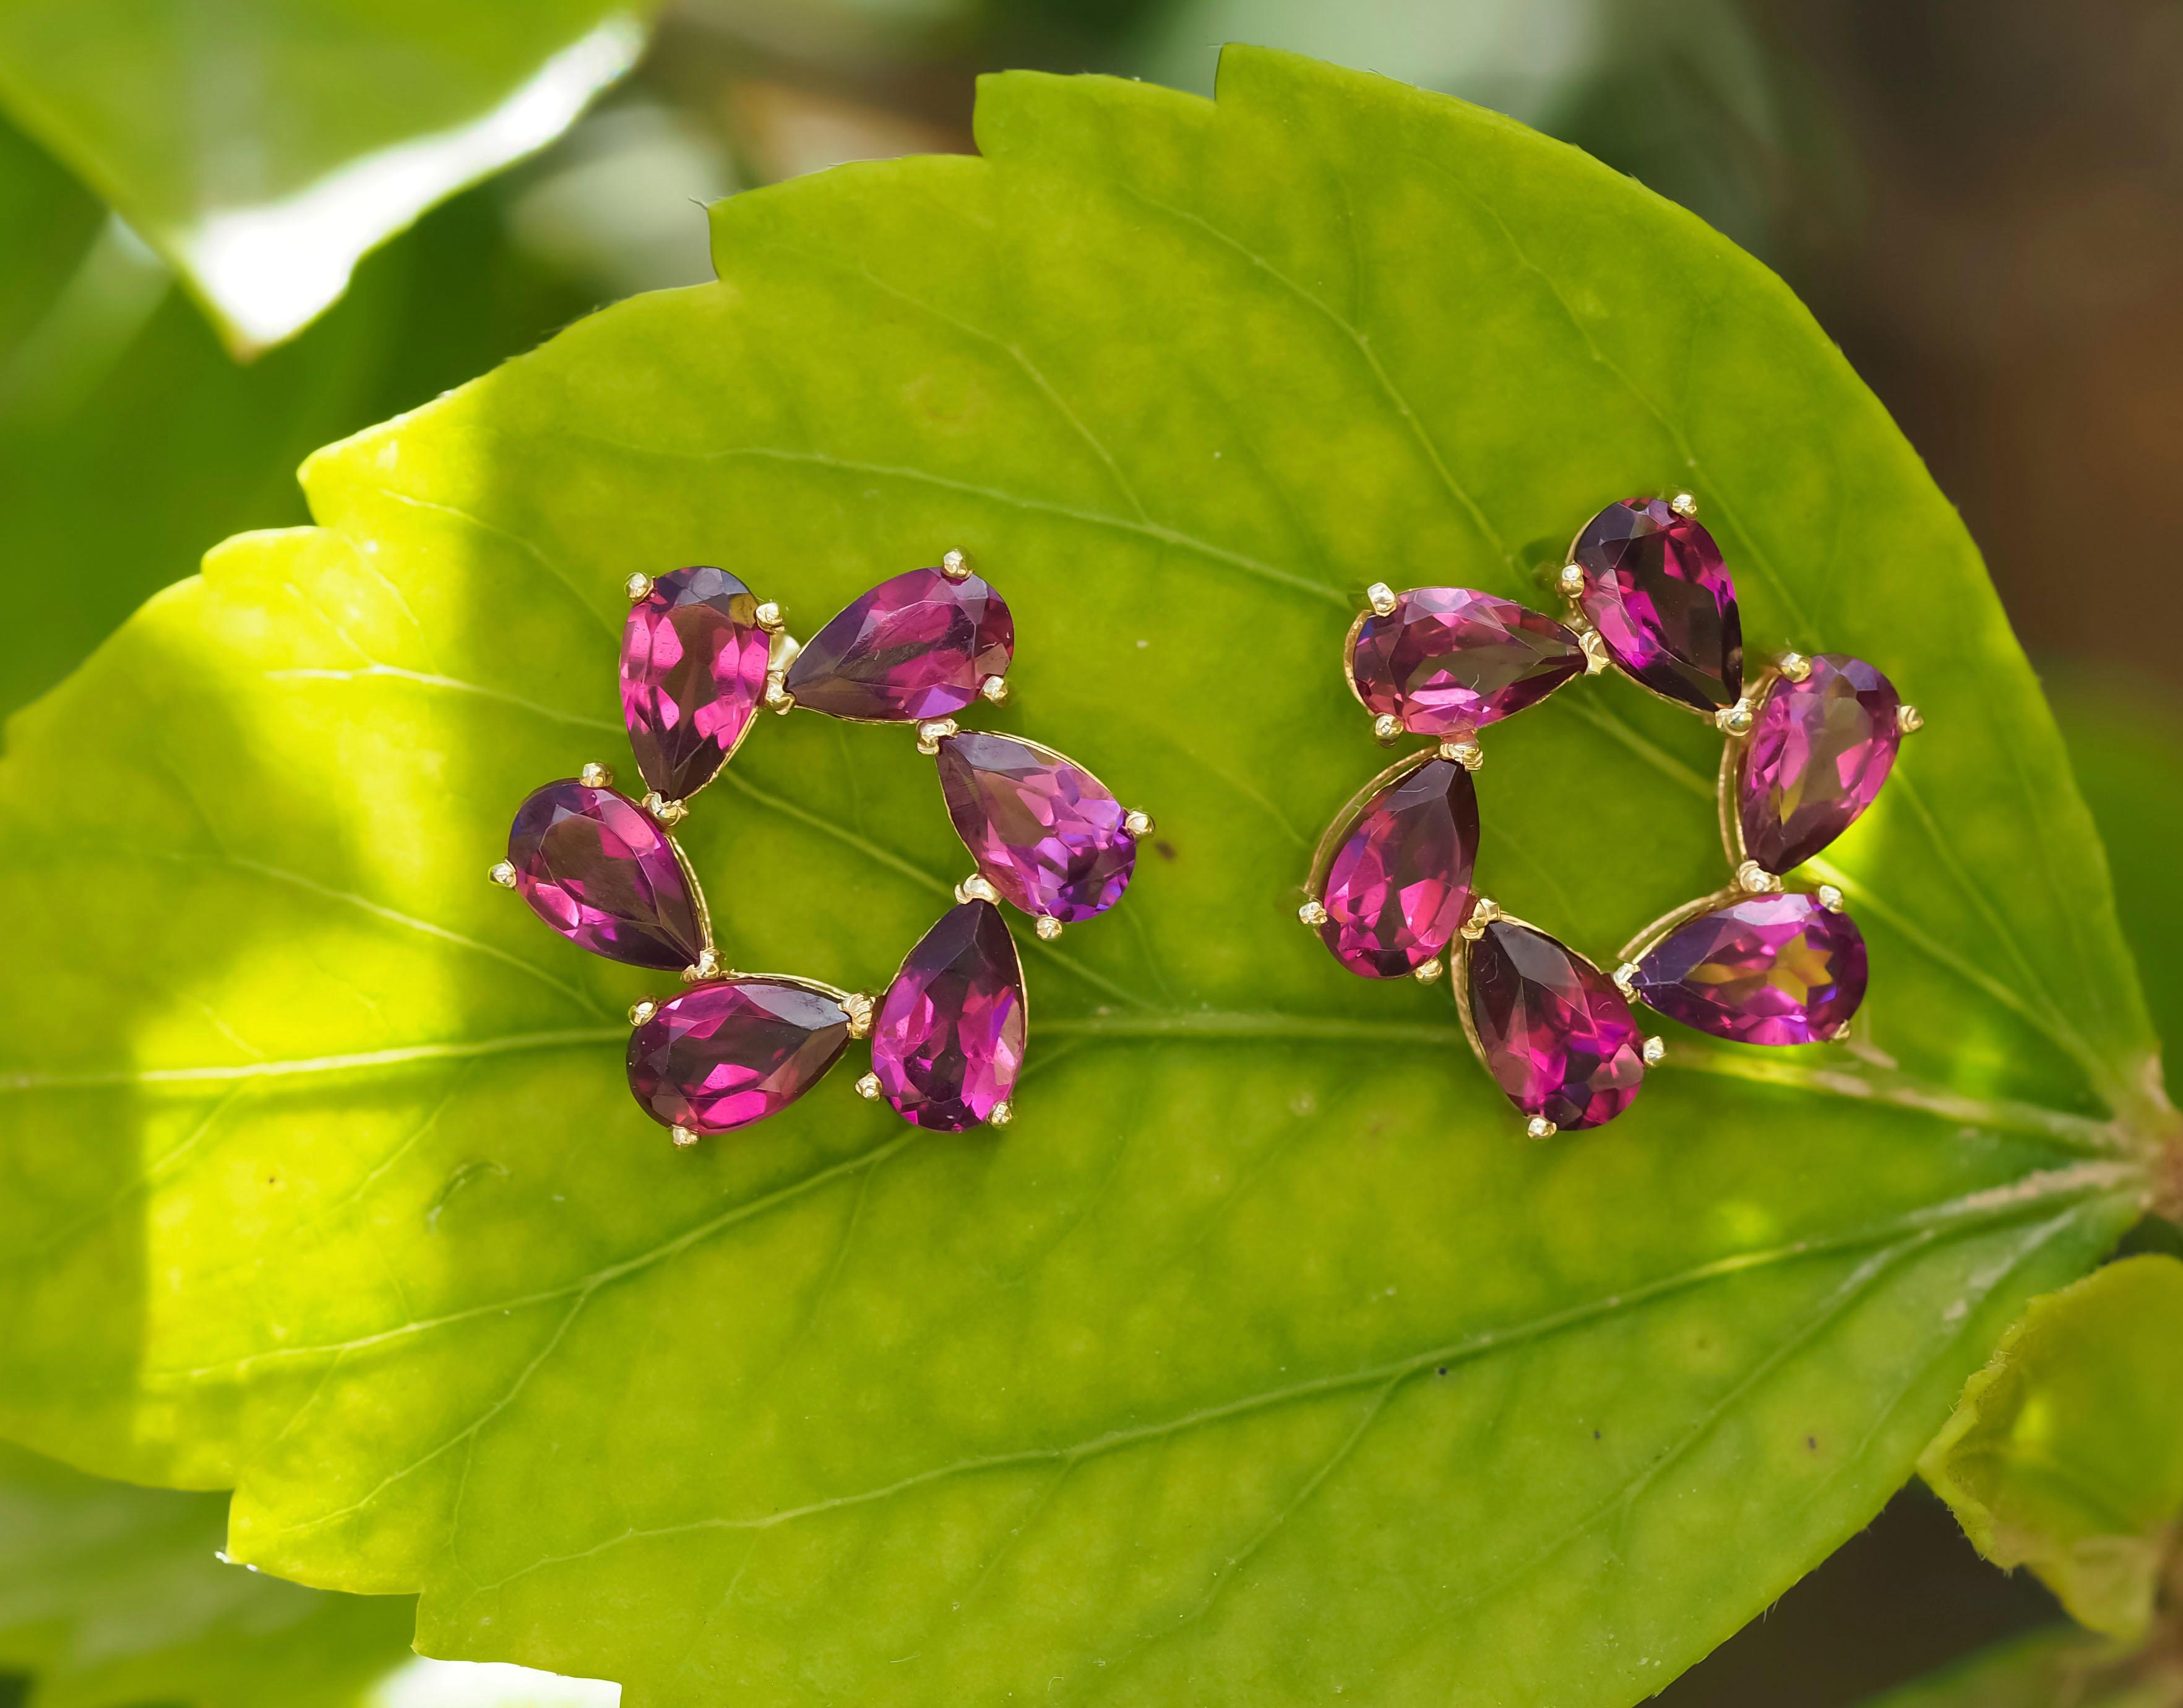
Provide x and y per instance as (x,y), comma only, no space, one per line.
(503,872)
(596,776)
(1381,598)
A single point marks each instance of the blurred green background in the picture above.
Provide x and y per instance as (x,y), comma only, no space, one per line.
(1983,203)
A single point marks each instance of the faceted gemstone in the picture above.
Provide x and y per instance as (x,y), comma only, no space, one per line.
(1557,1037)
(919,646)
(1399,886)
(594,866)
(1773,969)
(1656,589)
(1447,660)
(1045,833)
(724,1055)
(1818,753)
(949,1039)
(693,663)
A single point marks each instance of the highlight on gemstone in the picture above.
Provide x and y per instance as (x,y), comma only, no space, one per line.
(1816,755)
(1657,590)
(594,866)
(1453,659)
(1045,833)
(726,1054)
(693,662)
(919,646)
(948,1043)
(1771,969)
(1557,1036)
(1398,885)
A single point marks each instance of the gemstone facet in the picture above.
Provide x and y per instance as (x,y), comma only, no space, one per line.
(1657,590)
(693,659)
(1450,659)
(594,866)
(915,647)
(949,1039)
(1045,833)
(1817,754)
(1557,1036)
(1398,888)
(724,1055)
(1776,969)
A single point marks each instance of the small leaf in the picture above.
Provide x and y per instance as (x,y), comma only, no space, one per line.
(2058,1668)
(263,150)
(111,1596)
(2064,1454)
(1260,1359)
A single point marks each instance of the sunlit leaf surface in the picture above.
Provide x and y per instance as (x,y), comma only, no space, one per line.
(1261,1360)
(265,148)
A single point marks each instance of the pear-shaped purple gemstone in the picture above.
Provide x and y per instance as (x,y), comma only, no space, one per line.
(693,661)
(1450,659)
(919,646)
(1773,969)
(1818,752)
(594,866)
(1399,886)
(1557,1037)
(1656,589)
(949,1039)
(726,1054)
(1045,833)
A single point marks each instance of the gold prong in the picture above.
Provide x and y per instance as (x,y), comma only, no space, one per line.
(778,699)
(1483,913)
(955,566)
(642,1011)
(1538,1126)
(1625,977)
(859,1009)
(1427,972)
(1382,598)
(1908,718)
(1793,666)
(1570,580)
(1830,898)
(868,1087)
(1048,928)
(1004,1113)
(1464,751)
(638,587)
(994,690)
(1841,1032)
(502,873)
(707,965)
(1685,504)
(1734,721)
(933,732)
(683,1137)
(1595,651)
(596,776)
(666,812)
(975,888)
(1138,823)
(1388,728)
(1655,1051)
(770,616)
(1753,879)
(1313,913)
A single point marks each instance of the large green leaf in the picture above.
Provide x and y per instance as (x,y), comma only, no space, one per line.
(264,148)
(1260,1359)
(103,368)
(2065,1453)
(111,1595)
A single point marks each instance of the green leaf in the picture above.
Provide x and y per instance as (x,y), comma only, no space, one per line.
(2047,1668)
(1261,1358)
(104,367)
(2064,1452)
(265,149)
(111,1595)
